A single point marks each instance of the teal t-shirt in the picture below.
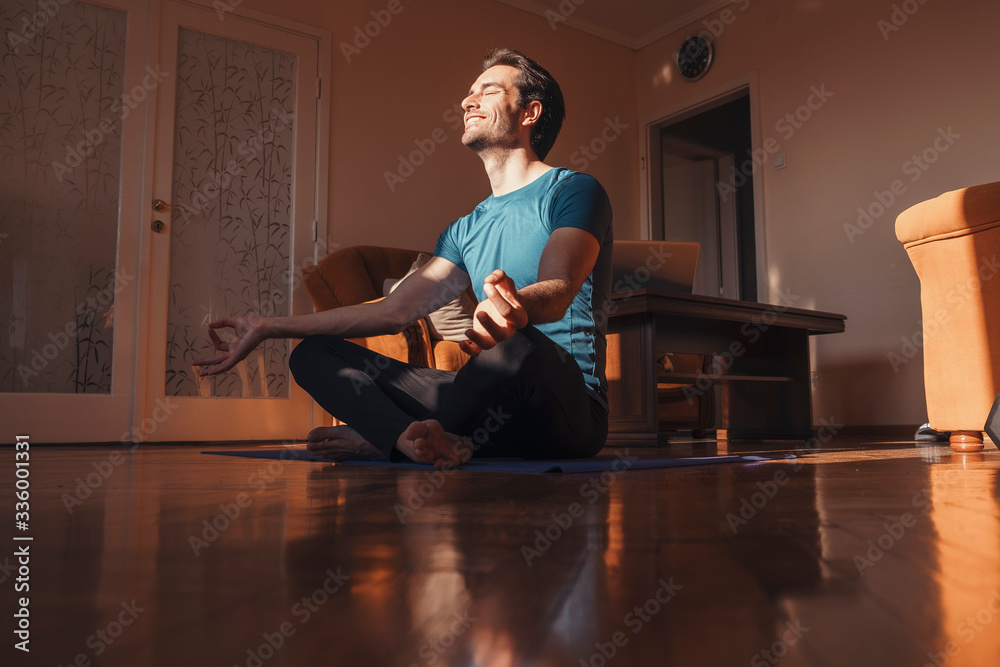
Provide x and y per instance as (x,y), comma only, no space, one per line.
(510,232)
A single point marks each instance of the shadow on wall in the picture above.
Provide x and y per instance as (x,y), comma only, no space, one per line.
(981,210)
(855,392)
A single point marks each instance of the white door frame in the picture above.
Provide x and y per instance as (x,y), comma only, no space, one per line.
(156,418)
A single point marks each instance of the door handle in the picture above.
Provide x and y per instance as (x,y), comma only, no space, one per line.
(159,206)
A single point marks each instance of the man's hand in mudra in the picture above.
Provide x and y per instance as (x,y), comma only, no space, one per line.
(497,318)
(249,334)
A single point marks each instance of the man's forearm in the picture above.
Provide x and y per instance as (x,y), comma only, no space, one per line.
(387,316)
(547,301)
(348,322)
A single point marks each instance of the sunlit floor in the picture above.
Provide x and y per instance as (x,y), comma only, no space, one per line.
(860,553)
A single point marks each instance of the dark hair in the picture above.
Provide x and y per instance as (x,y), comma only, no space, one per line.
(534,83)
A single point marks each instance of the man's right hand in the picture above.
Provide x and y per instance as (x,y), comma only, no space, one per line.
(249,334)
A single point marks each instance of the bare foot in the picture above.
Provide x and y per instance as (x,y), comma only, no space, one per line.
(341,443)
(427,442)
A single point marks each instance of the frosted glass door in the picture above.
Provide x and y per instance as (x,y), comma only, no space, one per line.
(235,168)
(104,301)
(71,113)
(230,247)
(60,175)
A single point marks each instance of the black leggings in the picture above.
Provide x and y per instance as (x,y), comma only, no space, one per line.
(526,397)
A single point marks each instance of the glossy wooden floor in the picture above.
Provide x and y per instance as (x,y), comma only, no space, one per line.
(861,553)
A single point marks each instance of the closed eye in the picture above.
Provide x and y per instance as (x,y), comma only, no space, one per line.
(490,87)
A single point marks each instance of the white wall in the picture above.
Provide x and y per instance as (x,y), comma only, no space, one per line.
(889,99)
(892,91)
(397,90)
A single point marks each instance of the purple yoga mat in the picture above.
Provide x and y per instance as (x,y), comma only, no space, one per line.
(618,462)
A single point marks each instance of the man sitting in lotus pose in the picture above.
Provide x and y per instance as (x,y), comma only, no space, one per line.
(538,253)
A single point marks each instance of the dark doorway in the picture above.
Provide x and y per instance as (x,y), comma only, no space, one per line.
(699,192)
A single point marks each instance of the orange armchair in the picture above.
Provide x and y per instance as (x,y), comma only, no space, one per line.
(953,242)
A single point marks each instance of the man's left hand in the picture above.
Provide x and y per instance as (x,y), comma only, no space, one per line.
(497,318)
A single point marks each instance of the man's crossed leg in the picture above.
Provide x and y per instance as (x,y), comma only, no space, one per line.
(525,397)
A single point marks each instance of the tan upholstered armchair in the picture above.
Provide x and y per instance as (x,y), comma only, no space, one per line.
(354,275)
(953,242)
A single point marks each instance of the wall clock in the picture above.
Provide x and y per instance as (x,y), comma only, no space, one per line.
(695,57)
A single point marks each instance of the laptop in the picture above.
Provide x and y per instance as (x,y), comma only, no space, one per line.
(658,265)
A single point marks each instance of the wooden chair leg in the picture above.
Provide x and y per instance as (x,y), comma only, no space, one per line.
(967,441)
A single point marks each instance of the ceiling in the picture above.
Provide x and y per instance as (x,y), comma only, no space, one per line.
(630,23)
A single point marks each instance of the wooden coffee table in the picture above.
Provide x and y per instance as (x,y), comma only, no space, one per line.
(761,361)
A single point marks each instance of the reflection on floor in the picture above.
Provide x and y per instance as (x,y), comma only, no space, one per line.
(858,553)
